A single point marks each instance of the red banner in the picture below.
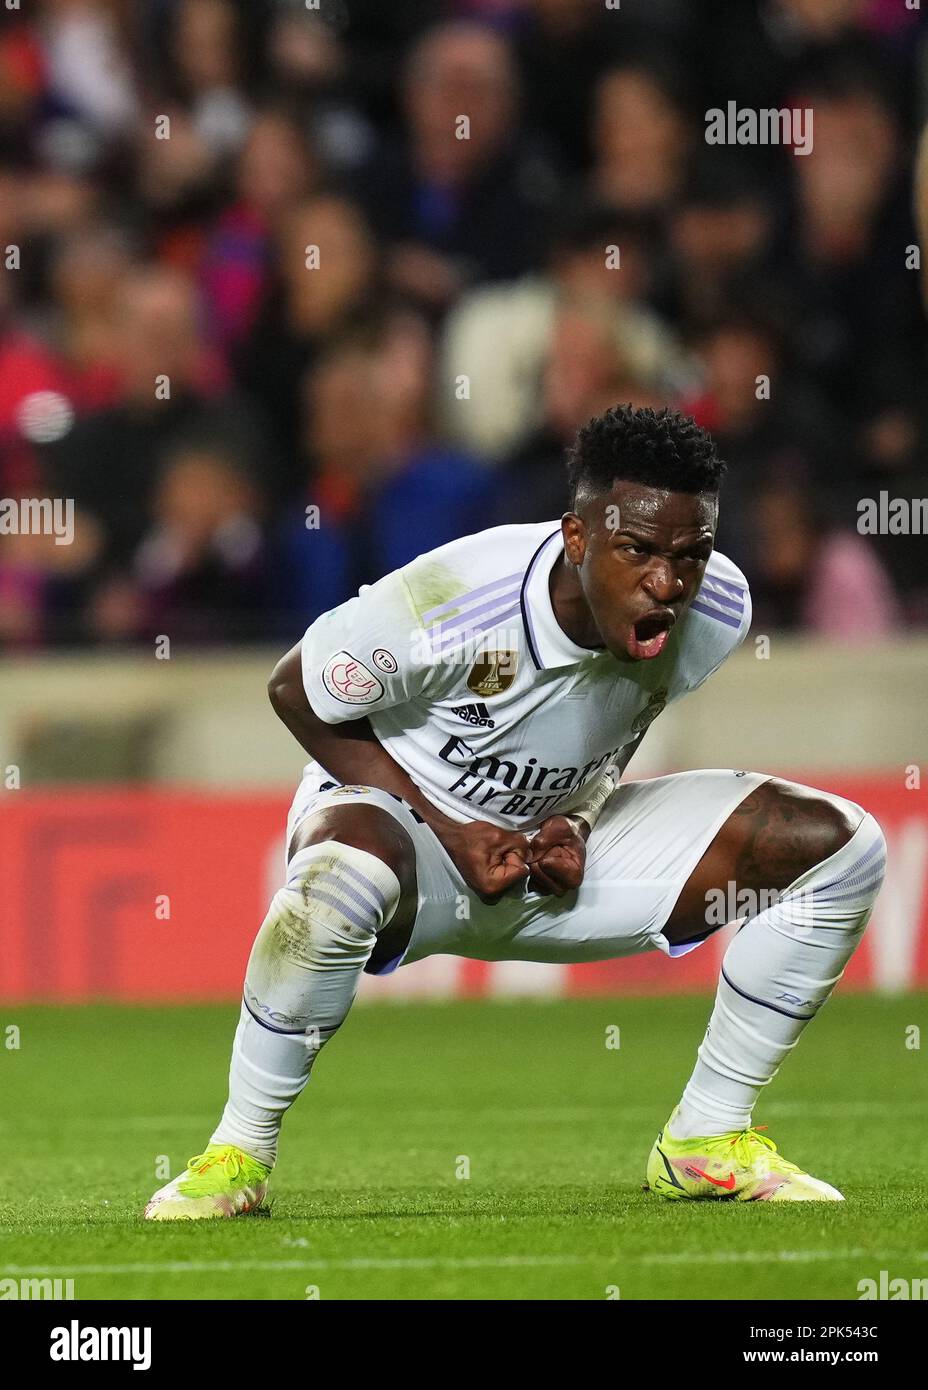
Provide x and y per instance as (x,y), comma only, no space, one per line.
(157,895)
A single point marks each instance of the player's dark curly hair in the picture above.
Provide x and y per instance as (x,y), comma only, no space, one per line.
(659,448)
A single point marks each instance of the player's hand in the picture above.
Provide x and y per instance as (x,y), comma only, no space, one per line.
(557,855)
(490,858)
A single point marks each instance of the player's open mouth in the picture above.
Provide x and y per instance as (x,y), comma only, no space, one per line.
(648,637)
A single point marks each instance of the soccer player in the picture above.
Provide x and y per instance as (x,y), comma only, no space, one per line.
(469,717)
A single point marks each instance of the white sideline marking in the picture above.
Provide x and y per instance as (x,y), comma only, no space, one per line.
(453,1262)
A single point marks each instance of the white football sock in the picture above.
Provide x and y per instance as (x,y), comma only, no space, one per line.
(776,974)
(302,977)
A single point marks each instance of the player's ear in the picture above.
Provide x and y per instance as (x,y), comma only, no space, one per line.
(573,531)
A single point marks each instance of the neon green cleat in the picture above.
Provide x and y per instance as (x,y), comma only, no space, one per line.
(221,1181)
(743,1166)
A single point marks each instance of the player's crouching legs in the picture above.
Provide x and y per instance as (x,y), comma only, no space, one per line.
(825,858)
(350,879)
(350,876)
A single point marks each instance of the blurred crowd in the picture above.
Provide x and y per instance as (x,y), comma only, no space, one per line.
(278,320)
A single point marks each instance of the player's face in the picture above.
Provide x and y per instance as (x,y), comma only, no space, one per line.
(639,554)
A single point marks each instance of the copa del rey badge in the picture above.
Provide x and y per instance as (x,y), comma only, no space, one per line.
(350,681)
(492,673)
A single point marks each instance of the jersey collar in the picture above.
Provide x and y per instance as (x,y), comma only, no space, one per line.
(548,643)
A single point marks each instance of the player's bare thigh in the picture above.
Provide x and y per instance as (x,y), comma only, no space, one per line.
(779,831)
(372,829)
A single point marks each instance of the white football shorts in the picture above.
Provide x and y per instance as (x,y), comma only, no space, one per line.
(646,843)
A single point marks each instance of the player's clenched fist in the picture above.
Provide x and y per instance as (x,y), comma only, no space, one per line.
(557,856)
(490,858)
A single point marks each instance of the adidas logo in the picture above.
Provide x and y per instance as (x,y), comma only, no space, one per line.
(478,715)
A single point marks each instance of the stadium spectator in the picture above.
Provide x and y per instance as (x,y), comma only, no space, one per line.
(380,482)
(499,337)
(844,256)
(770,426)
(201,569)
(773,48)
(169,388)
(720,237)
(327,281)
(88,67)
(87,272)
(276,170)
(584,374)
(583,239)
(453,203)
(309,66)
(810,575)
(641,139)
(208,53)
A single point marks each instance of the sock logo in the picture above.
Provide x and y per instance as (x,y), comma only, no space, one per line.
(478,715)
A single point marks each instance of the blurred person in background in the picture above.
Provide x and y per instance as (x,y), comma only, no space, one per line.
(326,282)
(23,83)
(201,72)
(558,36)
(209,70)
(42,585)
(773,47)
(177,185)
(379,478)
(583,39)
(310,67)
(891,455)
(844,258)
(584,375)
(201,569)
(768,425)
(642,138)
(110,461)
(86,57)
(276,170)
(813,576)
(453,210)
(720,236)
(501,336)
(87,273)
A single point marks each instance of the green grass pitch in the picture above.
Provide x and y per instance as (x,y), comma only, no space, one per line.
(554,1126)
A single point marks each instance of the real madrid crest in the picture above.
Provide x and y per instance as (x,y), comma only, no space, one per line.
(492,673)
(650,712)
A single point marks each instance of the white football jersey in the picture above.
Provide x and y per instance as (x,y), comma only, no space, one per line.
(476,691)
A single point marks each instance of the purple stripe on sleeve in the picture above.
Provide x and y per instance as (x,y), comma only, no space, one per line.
(453,624)
(447,643)
(735,604)
(733,590)
(726,618)
(453,605)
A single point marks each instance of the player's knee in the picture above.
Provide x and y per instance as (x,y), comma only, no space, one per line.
(336,899)
(869,868)
(368,829)
(807,826)
(840,891)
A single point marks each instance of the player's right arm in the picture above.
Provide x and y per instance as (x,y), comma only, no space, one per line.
(342,679)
